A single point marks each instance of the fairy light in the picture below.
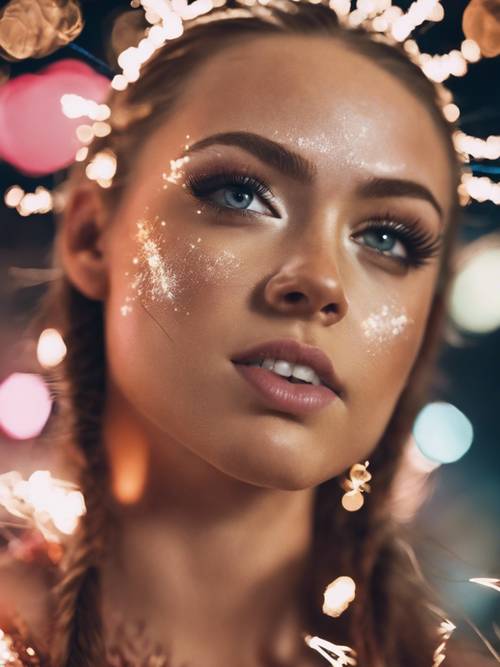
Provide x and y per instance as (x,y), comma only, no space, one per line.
(417,13)
(8,656)
(52,506)
(335,655)
(481,188)
(13,196)
(481,149)
(338,595)
(102,168)
(51,348)
(75,106)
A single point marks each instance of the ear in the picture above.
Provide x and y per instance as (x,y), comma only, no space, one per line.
(82,242)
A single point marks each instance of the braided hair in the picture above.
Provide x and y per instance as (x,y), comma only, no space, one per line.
(388,624)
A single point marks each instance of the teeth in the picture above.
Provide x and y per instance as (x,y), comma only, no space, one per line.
(286,369)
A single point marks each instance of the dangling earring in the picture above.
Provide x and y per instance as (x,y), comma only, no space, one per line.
(353,500)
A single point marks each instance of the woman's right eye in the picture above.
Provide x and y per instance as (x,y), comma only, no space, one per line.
(239,197)
(233,192)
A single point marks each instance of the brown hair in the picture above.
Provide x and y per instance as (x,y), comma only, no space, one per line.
(389,623)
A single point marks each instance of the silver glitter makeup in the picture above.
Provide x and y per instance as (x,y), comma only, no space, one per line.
(385,324)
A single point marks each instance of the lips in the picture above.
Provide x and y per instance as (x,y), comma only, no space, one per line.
(294,352)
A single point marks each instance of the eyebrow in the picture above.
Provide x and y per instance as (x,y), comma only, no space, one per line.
(397,187)
(301,169)
(269,151)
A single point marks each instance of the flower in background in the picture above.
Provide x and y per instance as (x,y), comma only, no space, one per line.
(481,22)
(36,28)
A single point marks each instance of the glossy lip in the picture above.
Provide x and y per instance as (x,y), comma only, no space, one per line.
(280,394)
(294,352)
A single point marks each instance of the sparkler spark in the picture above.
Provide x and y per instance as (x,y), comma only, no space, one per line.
(337,656)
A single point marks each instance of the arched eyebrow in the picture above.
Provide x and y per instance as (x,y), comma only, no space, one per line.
(269,151)
(301,169)
(397,187)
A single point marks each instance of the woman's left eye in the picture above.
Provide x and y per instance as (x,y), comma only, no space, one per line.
(384,241)
(404,241)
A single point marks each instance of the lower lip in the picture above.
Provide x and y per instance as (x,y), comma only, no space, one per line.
(280,394)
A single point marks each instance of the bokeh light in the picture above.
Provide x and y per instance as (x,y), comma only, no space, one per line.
(442,432)
(474,302)
(25,405)
(51,349)
(36,136)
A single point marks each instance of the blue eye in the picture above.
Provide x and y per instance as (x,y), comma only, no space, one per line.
(403,240)
(232,191)
(237,196)
(384,242)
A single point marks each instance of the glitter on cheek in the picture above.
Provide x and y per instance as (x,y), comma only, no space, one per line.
(153,279)
(385,324)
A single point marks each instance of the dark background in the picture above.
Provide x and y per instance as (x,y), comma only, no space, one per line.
(459,524)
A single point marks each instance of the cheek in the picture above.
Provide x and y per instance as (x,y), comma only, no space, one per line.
(169,272)
(387,336)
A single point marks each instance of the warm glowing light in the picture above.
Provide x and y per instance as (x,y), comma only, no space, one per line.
(51,349)
(354,486)
(75,106)
(475,293)
(25,405)
(52,505)
(470,50)
(481,188)
(8,656)
(442,432)
(338,595)
(482,149)
(451,112)
(102,168)
(13,196)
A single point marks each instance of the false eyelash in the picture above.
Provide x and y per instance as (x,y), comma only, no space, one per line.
(201,186)
(420,245)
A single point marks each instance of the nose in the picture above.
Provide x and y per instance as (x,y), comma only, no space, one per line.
(309,286)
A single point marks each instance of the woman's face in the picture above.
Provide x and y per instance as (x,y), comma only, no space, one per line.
(223,245)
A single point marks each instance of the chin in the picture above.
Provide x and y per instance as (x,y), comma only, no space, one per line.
(280,466)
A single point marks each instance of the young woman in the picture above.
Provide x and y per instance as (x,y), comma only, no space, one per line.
(285,201)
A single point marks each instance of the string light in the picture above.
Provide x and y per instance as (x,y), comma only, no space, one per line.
(28,203)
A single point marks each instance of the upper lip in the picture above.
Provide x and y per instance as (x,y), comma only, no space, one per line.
(294,352)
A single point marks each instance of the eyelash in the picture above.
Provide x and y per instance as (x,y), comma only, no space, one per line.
(419,245)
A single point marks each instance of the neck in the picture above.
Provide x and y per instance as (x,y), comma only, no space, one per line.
(203,555)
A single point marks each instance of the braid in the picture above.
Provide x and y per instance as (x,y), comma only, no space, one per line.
(77,633)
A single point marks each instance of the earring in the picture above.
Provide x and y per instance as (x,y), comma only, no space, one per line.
(354,486)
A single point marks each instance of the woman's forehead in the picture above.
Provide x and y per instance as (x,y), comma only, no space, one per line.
(343,112)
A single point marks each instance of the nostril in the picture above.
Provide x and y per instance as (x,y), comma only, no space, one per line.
(330,308)
(293,297)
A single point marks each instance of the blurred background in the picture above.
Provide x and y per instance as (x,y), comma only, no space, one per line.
(74,49)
